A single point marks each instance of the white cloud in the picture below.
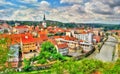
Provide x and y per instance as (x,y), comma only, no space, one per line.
(71,1)
(98,7)
(75,12)
(44,4)
(29,1)
(3,2)
(117,10)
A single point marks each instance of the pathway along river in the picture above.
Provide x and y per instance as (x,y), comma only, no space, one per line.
(106,52)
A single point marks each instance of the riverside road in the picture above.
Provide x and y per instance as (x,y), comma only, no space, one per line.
(106,52)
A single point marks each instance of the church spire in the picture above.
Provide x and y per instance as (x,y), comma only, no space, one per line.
(44,18)
(44,21)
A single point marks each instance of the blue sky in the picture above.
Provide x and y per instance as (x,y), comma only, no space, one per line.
(105,11)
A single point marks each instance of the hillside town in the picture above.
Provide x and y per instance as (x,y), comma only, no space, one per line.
(25,41)
(59,36)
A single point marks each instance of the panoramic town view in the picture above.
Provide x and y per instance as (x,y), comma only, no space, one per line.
(59,36)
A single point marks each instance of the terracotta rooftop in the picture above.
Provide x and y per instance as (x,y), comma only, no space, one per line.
(97,38)
(68,38)
(21,26)
(62,46)
(52,41)
(27,39)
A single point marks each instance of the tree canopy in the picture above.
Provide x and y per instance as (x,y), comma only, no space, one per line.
(3,53)
(48,53)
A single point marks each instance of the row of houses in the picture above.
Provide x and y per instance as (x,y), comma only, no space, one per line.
(26,40)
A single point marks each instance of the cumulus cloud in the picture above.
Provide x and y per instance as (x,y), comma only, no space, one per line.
(3,2)
(26,14)
(75,11)
(98,7)
(117,10)
(44,4)
(112,3)
(5,14)
(71,1)
(29,1)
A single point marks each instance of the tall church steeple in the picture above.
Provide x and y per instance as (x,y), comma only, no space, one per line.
(44,22)
(44,18)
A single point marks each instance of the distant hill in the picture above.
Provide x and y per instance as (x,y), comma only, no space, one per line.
(67,25)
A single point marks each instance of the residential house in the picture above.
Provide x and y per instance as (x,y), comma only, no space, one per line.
(5,28)
(86,37)
(13,59)
(98,31)
(86,47)
(62,48)
(97,39)
(29,46)
(20,29)
(43,35)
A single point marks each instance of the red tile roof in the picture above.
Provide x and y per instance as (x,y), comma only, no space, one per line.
(62,46)
(5,25)
(69,38)
(83,32)
(98,38)
(55,30)
(43,35)
(59,30)
(37,28)
(21,26)
(38,40)
(115,30)
(49,28)
(27,39)
(52,41)
(81,40)
(55,37)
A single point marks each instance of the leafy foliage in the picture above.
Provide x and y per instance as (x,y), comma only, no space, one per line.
(27,65)
(85,66)
(48,53)
(49,47)
(3,52)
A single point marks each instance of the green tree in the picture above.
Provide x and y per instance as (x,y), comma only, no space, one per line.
(27,65)
(49,47)
(3,53)
(48,53)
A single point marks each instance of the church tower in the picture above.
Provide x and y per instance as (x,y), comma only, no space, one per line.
(44,22)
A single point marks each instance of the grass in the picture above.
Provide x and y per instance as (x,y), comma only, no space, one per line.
(85,66)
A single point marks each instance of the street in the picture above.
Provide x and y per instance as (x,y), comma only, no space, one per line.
(107,49)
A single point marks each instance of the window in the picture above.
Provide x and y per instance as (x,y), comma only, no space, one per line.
(30,50)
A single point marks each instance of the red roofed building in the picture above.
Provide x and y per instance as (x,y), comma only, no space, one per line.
(37,28)
(43,35)
(20,29)
(55,30)
(49,28)
(15,38)
(116,32)
(28,43)
(52,41)
(69,38)
(59,30)
(62,48)
(5,25)
(30,46)
(97,38)
(56,37)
